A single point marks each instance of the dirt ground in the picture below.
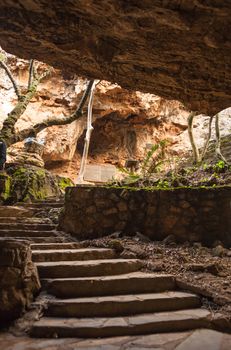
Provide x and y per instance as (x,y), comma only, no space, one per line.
(206,271)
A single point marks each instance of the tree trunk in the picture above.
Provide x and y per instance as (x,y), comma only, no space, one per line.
(20,136)
(8,129)
(218,140)
(191,138)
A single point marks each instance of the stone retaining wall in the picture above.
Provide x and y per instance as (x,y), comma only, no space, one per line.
(19,280)
(190,214)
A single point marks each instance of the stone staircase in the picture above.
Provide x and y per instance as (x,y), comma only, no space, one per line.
(94,293)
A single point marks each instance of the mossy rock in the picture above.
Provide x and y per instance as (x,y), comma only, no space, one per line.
(28,183)
(5,185)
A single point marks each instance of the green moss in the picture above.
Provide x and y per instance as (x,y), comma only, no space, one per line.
(31,183)
(152,188)
(5,184)
(64,182)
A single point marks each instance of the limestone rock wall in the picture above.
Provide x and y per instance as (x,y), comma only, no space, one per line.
(175,49)
(202,214)
(124,121)
(19,281)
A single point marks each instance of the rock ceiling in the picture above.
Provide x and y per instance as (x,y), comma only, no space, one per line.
(177,49)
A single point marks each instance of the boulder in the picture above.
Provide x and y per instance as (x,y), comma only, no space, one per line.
(28,183)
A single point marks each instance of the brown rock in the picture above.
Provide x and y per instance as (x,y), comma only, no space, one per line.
(137,47)
(18,279)
(219,251)
(169,239)
(116,245)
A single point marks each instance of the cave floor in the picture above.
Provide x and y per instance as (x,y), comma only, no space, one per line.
(203,339)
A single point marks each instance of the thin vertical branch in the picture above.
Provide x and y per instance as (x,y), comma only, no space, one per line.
(13,81)
(31,74)
(218,139)
(191,137)
(207,140)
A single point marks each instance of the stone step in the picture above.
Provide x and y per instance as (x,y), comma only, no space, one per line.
(50,199)
(172,321)
(26,220)
(122,305)
(56,246)
(47,240)
(27,226)
(88,268)
(41,205)
(73,254)
(9,211)
(131,283)
(26,233)
(35,240)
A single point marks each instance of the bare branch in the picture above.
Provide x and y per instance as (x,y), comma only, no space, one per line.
(31,74)
(10,76)
(51,122)
(8,129)
(207,140)
(218,140)
(191,137)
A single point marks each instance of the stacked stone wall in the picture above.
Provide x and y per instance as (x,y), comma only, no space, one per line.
(201,214)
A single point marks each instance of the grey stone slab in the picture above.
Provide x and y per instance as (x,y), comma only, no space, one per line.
(204,339)
(99,173)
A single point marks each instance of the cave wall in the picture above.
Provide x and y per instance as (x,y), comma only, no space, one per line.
(124,121)
(191,214)
(175,49)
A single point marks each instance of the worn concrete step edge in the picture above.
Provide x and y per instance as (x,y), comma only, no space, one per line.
(34,240)
(88,268)
(121,305)
(172,321)
(73,254)
(27,233)
(134,282)
(41,205)
(24,219)
(56,246)
(27,226)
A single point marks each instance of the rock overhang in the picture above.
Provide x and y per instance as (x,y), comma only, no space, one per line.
(175,49)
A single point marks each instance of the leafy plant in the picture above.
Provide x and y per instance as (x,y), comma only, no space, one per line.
(219,166)
(151,164)
(154,159)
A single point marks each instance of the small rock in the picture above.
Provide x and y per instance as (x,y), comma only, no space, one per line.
(138,251)
(116,245)
(116,234)
(126,254)
(155,266)
(219,251)
(228,253)
(142,237)
(197,245)
(216,243)
(213,269)
(169,239)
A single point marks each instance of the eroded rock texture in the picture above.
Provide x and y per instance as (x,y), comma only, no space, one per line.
(19,280)
(176,49)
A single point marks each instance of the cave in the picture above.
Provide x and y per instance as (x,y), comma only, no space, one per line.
(140,257)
